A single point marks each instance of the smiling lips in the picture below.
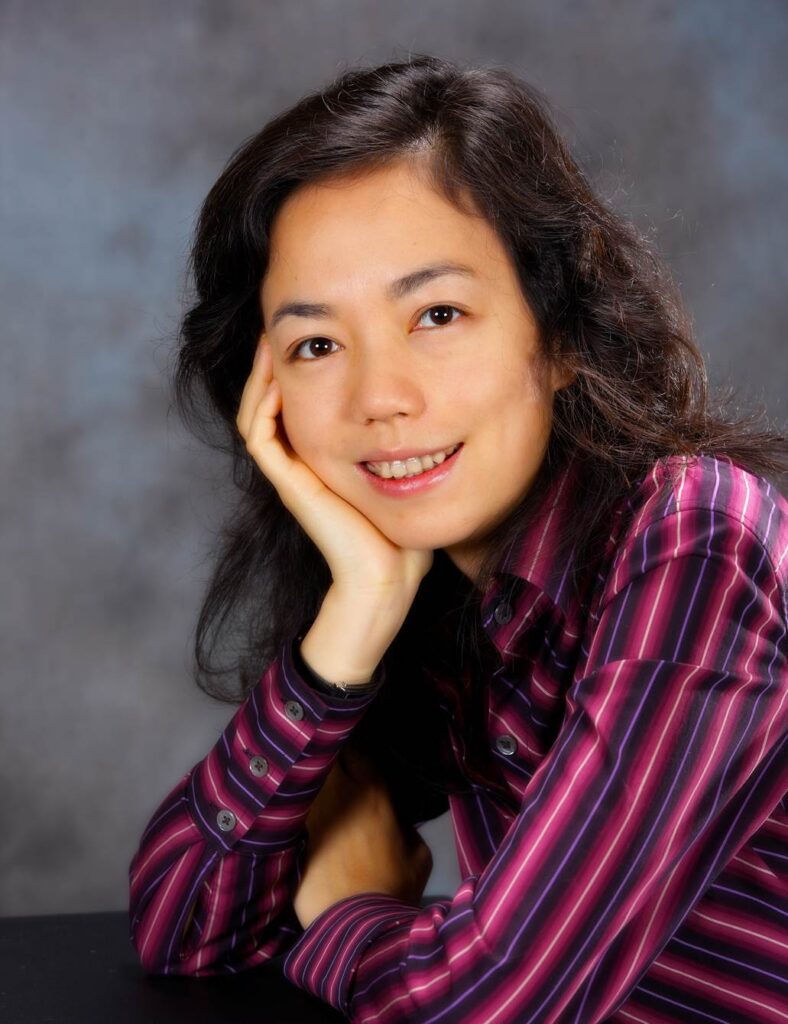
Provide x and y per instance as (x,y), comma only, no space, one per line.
(412,466)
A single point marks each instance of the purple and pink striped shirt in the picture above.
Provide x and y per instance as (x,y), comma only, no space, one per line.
(631,864)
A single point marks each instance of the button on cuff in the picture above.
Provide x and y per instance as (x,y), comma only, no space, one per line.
(226,820)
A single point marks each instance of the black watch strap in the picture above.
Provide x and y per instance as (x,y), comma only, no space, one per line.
(323,685)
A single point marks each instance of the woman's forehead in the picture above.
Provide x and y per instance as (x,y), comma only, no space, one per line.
(377,247)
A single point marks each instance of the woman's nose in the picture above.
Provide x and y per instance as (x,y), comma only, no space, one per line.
(384,382)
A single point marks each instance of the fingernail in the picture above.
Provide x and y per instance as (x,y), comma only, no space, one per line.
(259,350)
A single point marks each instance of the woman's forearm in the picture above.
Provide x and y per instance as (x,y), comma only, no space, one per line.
(350,635)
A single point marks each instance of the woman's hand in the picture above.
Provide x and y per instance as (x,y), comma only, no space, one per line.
(356,843)
(358,554)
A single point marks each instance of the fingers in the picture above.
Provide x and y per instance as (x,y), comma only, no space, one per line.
(257,423)
(256,389)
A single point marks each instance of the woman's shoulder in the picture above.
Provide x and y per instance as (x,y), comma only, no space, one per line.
(717,484)
(704,506)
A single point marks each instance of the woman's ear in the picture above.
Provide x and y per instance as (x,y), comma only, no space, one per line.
(561,377)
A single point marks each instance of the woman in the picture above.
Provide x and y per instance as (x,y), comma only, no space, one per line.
(566,623)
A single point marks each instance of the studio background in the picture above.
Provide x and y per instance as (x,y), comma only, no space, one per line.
(116,119)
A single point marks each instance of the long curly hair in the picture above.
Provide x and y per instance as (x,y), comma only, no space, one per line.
(605,306)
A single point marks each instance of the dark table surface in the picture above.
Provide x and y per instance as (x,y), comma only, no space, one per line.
(82,968)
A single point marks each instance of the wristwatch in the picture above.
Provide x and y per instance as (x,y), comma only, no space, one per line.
(317,682)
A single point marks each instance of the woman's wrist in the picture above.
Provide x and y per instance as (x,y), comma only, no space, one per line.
(340,689)
(347,640)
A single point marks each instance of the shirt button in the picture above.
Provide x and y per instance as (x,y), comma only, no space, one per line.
(226,820)
(258,765)
(506,744)
(294,710)
(503,613)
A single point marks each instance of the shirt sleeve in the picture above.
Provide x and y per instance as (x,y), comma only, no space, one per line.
(670,756)
(211,884)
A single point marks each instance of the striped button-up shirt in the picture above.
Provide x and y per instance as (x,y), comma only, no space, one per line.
(629,866)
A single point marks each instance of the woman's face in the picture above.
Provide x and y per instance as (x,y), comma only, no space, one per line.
(386,369)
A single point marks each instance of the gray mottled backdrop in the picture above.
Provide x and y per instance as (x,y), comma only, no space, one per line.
(116,119)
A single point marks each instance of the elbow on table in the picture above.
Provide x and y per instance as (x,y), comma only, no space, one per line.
(157,955)
(235,950)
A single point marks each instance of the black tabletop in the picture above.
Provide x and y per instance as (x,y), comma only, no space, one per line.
(82,968)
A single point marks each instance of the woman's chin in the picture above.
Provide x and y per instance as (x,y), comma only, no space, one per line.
(427,536)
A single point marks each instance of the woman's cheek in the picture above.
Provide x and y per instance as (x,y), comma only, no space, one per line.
(303,432)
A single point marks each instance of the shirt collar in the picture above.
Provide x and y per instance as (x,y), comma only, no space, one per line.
(534,558)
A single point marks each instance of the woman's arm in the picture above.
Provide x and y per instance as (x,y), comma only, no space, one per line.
(212,881)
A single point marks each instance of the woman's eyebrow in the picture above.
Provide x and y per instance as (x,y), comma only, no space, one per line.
(396,289)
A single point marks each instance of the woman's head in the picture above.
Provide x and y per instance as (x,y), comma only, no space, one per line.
(575,344)
(402,359)
(478,143)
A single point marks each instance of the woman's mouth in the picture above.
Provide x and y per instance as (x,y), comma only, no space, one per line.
(404,486)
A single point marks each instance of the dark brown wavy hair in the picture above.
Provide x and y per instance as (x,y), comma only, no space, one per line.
(605,306)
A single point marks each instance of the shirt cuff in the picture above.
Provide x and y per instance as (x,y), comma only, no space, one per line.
(247,793)
(324,959)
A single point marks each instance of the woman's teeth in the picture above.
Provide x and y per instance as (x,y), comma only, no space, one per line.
(410,467)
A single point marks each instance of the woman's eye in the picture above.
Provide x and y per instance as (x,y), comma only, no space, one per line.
(307,341)
(444,320)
